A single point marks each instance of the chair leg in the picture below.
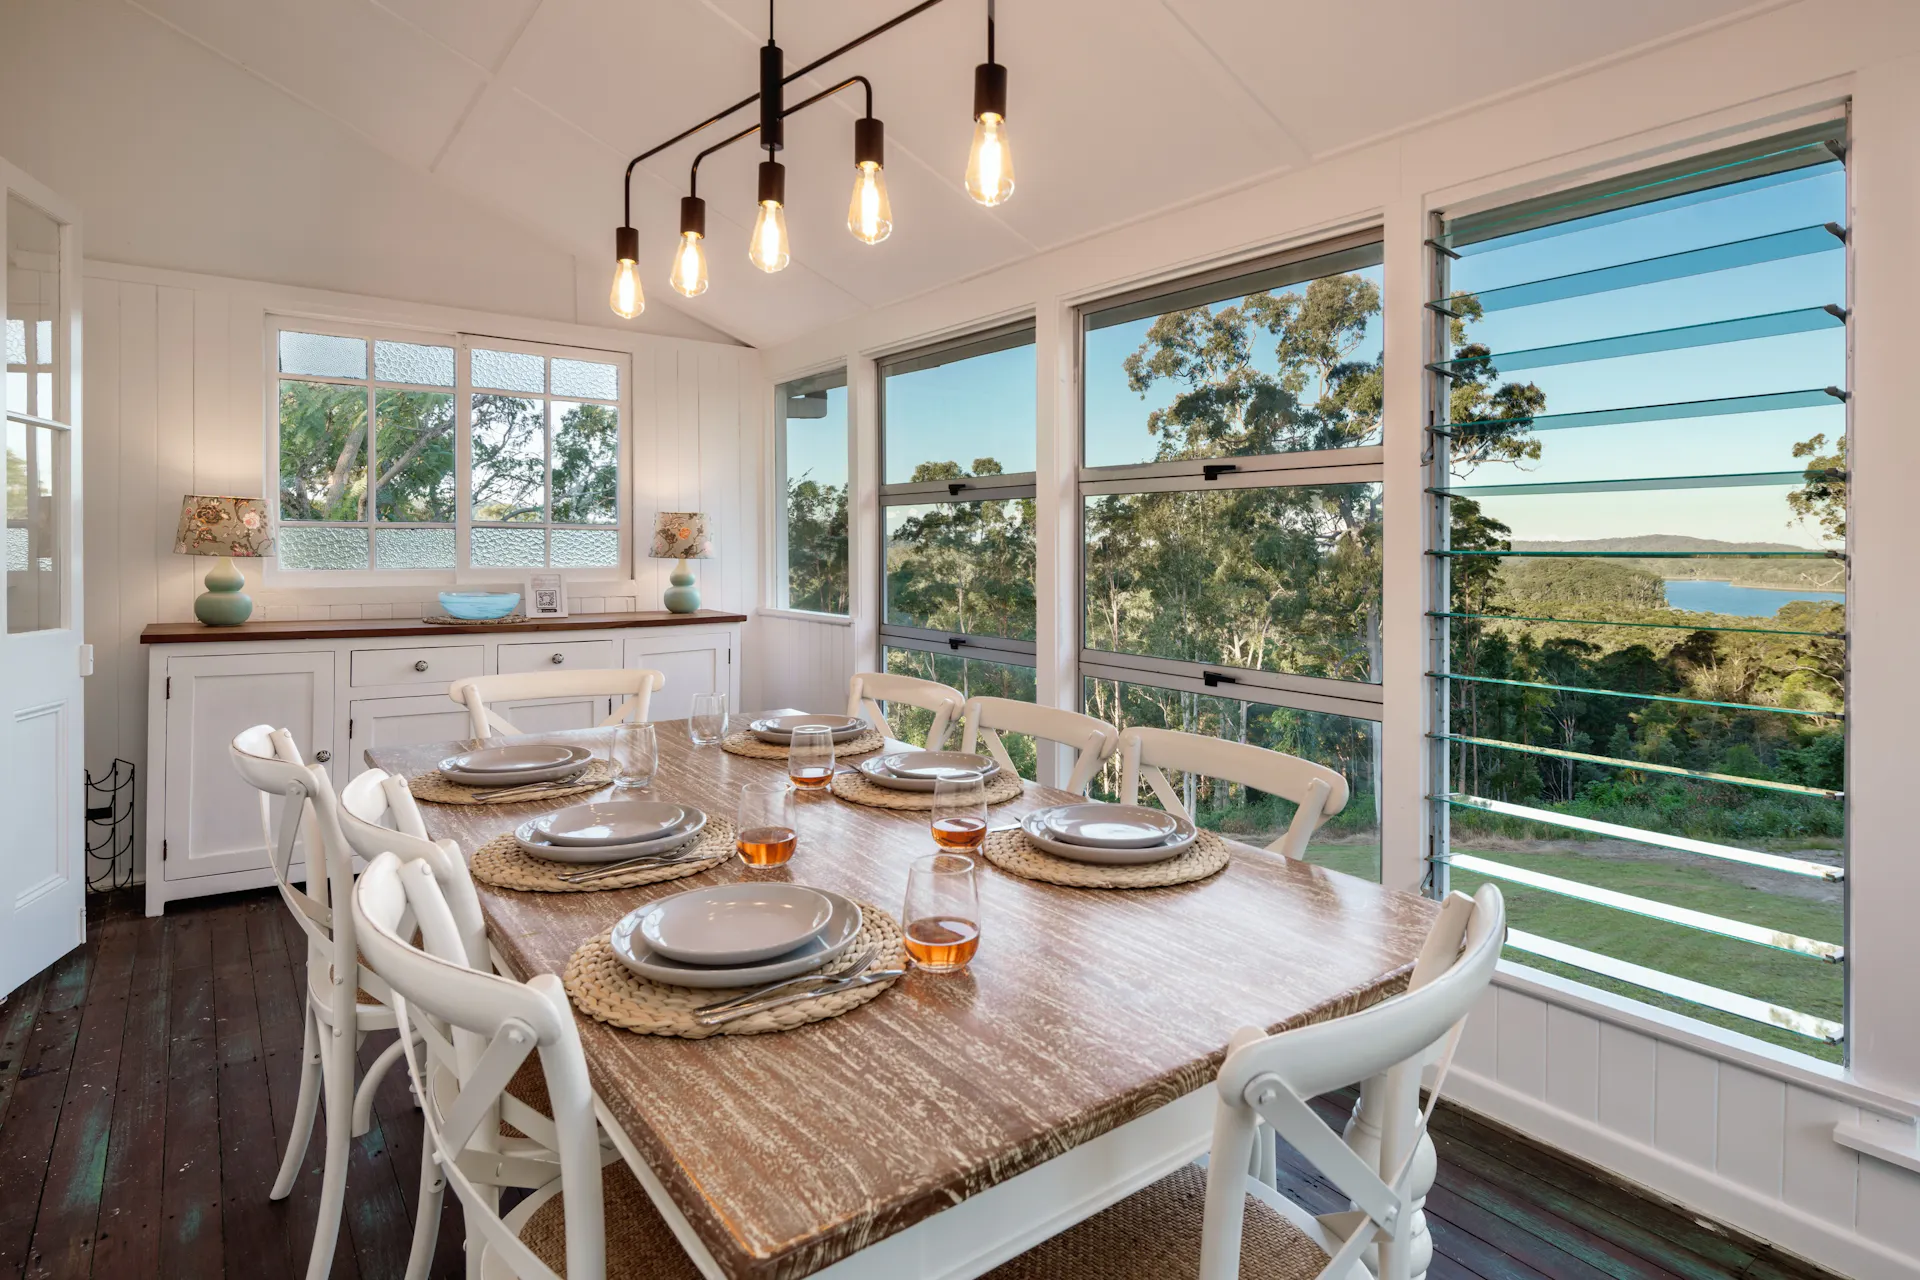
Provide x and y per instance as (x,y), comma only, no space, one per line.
(477,1243)
(370,1085)
(338,1061)
(426,1214)
(302,1131)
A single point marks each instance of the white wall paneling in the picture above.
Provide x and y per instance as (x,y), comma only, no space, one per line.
(799,662)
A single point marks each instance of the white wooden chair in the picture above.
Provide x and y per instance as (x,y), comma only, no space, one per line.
(478,693)
(344,1002)
(467,1034)
(1317,791)
(868,690)
(1240,1227)
(1094,740)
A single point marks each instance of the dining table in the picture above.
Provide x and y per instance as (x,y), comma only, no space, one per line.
(959,1118)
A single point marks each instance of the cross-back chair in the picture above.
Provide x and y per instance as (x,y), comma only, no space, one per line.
(1095,741)
(869,690)
(478,694)
(1316,791)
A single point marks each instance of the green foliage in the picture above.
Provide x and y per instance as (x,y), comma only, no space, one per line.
(1532,586)
(816,546)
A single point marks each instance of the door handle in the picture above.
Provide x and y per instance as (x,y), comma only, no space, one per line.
(420,665)
(321,757)
(559,658)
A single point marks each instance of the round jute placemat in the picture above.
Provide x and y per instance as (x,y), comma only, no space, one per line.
(432,786)
(610,992)
(860,789)
(745,744)
(505,865)
(448,620)
(1011,851)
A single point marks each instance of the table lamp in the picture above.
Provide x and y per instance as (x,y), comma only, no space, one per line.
(224,527)
(682,536)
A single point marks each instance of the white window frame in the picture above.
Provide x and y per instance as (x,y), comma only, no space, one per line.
(778,599)
(463,572)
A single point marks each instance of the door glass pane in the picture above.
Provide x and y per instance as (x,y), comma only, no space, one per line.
(323,454)
(586,463)
(414,453)
(36,498)
(509,459)
(962,566)
(33,307)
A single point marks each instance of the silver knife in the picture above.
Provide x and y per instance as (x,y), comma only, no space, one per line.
(859,966)
(663,859)
(839,985)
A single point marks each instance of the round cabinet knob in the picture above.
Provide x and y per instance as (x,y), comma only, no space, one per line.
(321,757)
(420,665)
(559,658)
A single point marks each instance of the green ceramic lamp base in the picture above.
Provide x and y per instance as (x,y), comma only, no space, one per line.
(224,604)
(682,596)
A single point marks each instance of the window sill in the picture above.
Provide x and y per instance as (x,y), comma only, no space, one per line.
(803,615)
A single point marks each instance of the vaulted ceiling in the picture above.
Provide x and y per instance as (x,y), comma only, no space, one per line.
(1118,109)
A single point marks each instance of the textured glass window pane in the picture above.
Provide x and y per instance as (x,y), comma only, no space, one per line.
(975,677)
(1350,840)
(962,566)
(1274,579)
(972,417)
(414,451)
(509,548)
(323,355)
(17,392)
(413,362)
(323,451)
(586,378)
(16,341)
(509,371)
(586,463)
(586,548)
(509,459)
(311,548)
(413,548)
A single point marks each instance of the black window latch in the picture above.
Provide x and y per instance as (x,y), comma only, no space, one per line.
(1214,470)
(1214,678)
(953,489)
(954,642)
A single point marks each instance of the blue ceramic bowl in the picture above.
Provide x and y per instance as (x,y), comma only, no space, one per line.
(478,606)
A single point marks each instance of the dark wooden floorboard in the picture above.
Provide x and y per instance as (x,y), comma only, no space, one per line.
(148,1083)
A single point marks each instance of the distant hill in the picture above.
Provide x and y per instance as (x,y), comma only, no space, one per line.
(1804,574)
(1657,542)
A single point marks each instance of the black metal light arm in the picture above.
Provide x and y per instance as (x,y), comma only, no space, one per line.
(693,178)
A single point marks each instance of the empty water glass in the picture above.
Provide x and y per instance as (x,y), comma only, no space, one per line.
(708,723)
(636,755)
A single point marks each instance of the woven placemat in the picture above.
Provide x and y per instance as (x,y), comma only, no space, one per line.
(432,786)
(447,620)
(1012,851)
(505,865)
(745,744)
(610,992)
(851,784)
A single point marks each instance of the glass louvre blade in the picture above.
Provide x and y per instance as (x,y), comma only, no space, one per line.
(1620,693)
(1714,333)
(1610,622)
(1769,403)
(1640,835)
(1644,766)
(1809,554)
(1750,252)
(1699,993)
(1633,905)
(1752,479)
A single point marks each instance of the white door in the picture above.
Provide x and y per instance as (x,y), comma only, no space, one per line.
(43,859)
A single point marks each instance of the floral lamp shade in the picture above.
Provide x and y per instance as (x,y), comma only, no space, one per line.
(223,526)
(681,535)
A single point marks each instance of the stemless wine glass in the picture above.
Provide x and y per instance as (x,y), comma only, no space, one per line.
(959,817)
(810,757)
(636,756)
(764,828)
(708,723)
(942,914)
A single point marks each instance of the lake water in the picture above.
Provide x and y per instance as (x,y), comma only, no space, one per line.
(1699,596)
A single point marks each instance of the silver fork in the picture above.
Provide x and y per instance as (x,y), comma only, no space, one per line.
(530,789)
(662,859)
(866,979)
(854,970)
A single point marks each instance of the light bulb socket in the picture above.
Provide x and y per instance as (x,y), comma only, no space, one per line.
(869,142)
(772,69)
(989,90)
(693,216)
(626,244)
(773,182)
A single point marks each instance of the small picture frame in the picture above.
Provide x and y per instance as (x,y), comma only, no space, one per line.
(546,596)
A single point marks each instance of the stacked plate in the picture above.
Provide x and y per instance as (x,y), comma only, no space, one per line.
(779,729)
(610,831)
(1114,835)
(514,766)
(736,935)
(920,770)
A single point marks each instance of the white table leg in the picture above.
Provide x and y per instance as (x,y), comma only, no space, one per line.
(1380,1097)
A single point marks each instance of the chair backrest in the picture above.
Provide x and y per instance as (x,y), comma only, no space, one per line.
(378,814)
(1094,740)
(270,761)
(869,689)
(1273,1078)
(478,693)
(1316,791)
(437,997)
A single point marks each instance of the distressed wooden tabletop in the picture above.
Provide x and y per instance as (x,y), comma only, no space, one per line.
(1084,1009)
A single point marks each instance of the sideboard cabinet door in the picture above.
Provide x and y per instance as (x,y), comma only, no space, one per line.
(692,661)
(400,722)
(212,822)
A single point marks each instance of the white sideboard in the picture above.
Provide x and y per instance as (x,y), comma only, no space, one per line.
(343,687)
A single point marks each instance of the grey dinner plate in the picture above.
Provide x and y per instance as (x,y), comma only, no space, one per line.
(613,822)
(932,766)
(824,948)
(779,729)
(1034,825)
(735,924)
(1110,826)
(531,837)
(527,765)
(876,771)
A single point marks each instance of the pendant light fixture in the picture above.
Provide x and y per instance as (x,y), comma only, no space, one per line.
(869,211)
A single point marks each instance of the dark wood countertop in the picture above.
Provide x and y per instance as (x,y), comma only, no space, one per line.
(365,628)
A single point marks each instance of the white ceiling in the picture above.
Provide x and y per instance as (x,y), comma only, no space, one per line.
(1117,109)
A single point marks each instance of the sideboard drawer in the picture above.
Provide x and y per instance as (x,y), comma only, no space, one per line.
(560,655)
(424,664)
